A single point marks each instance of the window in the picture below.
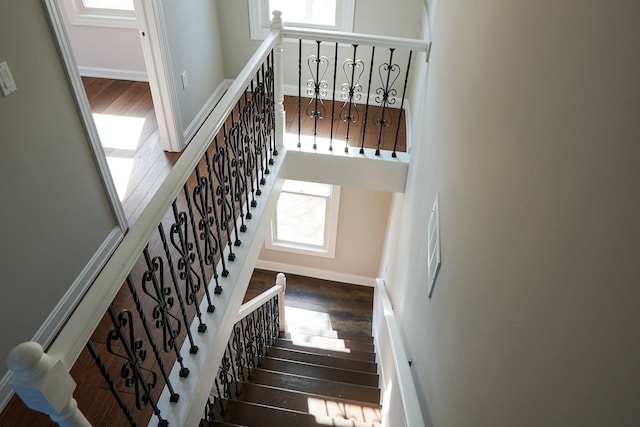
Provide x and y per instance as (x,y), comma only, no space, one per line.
(102,13)
(324,14)
(306,219)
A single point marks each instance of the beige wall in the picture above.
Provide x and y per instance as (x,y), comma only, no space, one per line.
(55,214)
(362,224)
(531,137)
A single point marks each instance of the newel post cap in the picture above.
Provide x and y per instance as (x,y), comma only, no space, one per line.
(43,383)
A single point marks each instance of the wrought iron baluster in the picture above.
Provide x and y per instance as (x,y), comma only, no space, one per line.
(273,150)
(238,347)
(223,190)
(184,248)
(225,376)
(201,261)
(230,182)
(366,110)
(215,221)
(317,87)
(247,120)
(223,410)
(386,96)
(267,120)
(237,165)
(164,302)
(351,92)
(134,355)
(184,372)
(164,320)
(261,123)
(249,344)
(333,98)
(401,112)
(260,343)
(116,394)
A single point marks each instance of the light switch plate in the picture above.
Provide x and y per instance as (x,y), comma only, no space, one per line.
(7,84)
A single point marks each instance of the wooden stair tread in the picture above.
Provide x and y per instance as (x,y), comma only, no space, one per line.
(327,334)
(318,371)
(317,405)
(301,355)
(349,354)
(327,342)
(316,386)
(255,415)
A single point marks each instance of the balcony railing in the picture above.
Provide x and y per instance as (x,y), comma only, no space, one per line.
(157,319)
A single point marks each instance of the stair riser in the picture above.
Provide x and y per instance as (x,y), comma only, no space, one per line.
(322,372)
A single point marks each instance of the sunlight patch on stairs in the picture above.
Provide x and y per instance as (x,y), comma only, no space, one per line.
(307,322)
(330,412)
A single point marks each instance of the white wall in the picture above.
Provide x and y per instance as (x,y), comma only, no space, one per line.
(55,214)
(362,223)
(195,47)
(105,52)
(531,137)
(382,17)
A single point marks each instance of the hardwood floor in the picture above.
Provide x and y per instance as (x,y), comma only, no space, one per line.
(126,121)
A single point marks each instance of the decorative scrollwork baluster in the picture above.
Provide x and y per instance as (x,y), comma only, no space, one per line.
(201,261)
(366,110)
(223,410)
(222,193)
(261,125)
(238,348)
(184,248)
(237,163)
(317,88)
(225,375)
(270,76)
(249,344)
(351,92)
(114,390)
(184,372)
(215,222)
(121,342)
(249,148)
(386,96)
(161,295)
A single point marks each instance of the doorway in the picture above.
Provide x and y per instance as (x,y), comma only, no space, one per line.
(110,46)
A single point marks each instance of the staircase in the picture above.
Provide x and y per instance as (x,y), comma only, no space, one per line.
(328,379)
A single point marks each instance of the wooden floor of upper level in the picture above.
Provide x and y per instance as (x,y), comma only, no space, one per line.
(125,118)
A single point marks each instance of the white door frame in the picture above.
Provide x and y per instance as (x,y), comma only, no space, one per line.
(155,48)
(71,68)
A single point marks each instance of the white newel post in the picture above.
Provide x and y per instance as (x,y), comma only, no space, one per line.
(281,280)
(278,75)
(45,385)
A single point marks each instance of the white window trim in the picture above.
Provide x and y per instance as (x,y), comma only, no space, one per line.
(330,232)
(77,14)
(259,18)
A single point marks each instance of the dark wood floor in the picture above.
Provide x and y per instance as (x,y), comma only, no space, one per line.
(349,307)
(144,163)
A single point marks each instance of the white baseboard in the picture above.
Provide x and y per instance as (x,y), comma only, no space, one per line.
(68,302)
(110,73)
(316,273)
(206,109)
